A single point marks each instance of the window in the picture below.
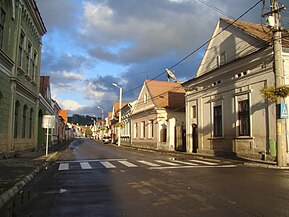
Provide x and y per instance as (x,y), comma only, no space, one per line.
(151,129)
(135,131)
(28,58)
(221,59)
(142,125)
(24,121)
(2,22)
(30,123)
(194,111)
(21,49)
(163,133)
(145,98)
(16,120)
(34,65)
(218,128)
(244,117)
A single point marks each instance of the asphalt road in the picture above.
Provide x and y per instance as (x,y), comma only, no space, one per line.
(92,179)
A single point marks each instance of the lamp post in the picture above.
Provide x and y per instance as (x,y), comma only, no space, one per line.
(93,128)
(119,112)
(101,130)
(101,115)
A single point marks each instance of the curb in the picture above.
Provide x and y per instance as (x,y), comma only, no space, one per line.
(9,194)
(268,166)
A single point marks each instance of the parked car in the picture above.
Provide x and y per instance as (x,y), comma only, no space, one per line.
(106,139)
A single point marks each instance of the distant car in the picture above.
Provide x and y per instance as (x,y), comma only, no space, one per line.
(106,140)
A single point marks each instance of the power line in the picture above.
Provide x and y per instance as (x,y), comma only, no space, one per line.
(200,47)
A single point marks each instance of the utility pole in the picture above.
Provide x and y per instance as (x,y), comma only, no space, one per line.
(279,82)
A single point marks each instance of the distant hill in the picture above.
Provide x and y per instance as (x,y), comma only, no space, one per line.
(81,119)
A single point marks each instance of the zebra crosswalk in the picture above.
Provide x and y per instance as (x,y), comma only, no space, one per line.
(153,164)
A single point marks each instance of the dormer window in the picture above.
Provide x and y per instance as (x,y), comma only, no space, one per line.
(221,59)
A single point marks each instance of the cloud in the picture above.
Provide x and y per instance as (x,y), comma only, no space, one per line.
(140,37)
(60,14)
(73,76)
(71,105)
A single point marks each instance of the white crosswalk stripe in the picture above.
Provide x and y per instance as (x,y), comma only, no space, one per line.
(186,163)
(149,163)
(107,164)
(120,163)
(203,162)
(128,164)
(63,166)
(167,163)
(85,166)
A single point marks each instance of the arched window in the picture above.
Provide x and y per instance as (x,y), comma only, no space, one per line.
(24,121)
(30,123)
(16,118)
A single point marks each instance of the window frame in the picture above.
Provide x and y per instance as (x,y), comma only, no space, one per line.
(24,120)
(151,129)
(218,121)
(21,50)
(244,118)
(143,129)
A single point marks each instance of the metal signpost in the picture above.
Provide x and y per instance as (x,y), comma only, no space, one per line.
(48,122)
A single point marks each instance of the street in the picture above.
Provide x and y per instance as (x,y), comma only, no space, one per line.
(94,179)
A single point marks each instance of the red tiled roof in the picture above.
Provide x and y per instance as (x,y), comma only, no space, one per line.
(259,31)
(166,94)
(116,106)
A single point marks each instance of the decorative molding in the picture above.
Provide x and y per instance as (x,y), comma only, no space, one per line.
(6,59)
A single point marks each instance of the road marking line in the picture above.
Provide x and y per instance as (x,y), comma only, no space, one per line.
(128,164)
(212,160)
(203,162)
(63,166)
(148,163)
(167,163)
(85,166)
(107,164)
(186,163)
(96,160)
(184,167)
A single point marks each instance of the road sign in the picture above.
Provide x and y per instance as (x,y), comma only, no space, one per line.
(48,121)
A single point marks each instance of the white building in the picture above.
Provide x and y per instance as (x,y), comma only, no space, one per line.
(225,111)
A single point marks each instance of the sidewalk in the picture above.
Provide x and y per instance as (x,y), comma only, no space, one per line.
(16,172)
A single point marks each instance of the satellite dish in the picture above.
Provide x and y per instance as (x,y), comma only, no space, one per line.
(170,75)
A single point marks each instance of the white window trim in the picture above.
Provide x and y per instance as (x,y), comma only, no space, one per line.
(237,124)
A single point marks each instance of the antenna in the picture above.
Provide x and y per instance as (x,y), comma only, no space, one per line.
(170,75)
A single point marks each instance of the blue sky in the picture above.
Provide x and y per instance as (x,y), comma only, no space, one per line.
(91,44)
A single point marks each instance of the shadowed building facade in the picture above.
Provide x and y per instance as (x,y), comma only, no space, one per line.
(21,31)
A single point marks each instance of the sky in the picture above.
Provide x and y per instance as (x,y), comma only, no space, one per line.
(91,44)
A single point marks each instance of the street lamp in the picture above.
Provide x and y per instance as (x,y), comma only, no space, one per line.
(101,114)
(119,116)
(101,130)
(94,136)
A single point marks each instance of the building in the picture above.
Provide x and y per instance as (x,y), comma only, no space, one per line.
(126,130)
(45,108)
(225,110)
(21,31)
(158,117)
(114,120)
